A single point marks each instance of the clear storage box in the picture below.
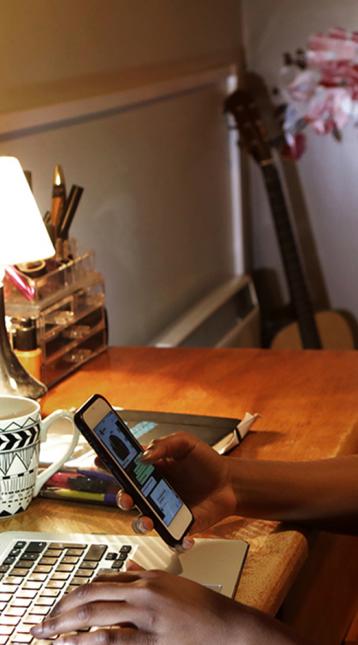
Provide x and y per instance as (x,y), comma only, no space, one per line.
(69,309)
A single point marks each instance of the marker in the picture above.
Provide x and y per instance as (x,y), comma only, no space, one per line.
(98,474)
(69,212)
(108,499)
(81,483)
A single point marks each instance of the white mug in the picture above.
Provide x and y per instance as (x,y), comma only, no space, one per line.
(21,431)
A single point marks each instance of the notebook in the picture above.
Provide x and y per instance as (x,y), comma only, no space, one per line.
(38,568)
(222,433)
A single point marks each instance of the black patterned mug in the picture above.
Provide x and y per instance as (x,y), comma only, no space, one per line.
(21,432)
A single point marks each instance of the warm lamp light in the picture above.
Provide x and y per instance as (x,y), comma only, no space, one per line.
(23,238)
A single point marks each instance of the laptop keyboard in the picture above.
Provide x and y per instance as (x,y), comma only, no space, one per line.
(35,575)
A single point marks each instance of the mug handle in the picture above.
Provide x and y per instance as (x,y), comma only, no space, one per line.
(53,468)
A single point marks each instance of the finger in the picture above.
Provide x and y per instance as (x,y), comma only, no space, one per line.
(133,566)
(99,590)
(175,446)
(99,464)
(142,524)
(186,545)
(110,636)
(124,501)
(93,614)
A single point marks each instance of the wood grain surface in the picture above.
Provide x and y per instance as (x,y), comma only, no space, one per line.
(308,406)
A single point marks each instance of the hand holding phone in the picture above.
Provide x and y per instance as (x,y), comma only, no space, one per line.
(114,443)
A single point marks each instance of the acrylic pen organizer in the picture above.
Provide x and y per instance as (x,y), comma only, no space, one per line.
(69,309)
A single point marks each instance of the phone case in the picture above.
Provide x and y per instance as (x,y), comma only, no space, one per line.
(141,504)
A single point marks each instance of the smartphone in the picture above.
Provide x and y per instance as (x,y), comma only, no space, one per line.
(118,449)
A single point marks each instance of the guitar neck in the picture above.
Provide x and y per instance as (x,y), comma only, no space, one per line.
(295,277)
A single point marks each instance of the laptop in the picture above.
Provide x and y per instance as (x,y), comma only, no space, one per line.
(38,568)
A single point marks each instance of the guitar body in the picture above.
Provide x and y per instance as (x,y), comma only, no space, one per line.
(333,329)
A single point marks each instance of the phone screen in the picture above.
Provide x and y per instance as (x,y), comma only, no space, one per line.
(146,478)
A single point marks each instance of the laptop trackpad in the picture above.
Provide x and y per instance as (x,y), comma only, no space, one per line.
(214,563)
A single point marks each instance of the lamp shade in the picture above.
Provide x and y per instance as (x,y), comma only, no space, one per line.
(23,235)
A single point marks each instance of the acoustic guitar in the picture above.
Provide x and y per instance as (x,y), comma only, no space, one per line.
(326,329)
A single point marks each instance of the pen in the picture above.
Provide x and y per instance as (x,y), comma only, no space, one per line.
(58,199)
(108,499)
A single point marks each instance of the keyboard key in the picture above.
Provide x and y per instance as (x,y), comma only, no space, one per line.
(126,548)
(60,575)
(26,593)
(5,568)
(5,597)
(67,545)
(78,581)
(111,556)
(3,639)
(48,561)
(31,619)
(55,584)
(75,552)
(9,560)
(21,602)
(9,620)
(6,629)
(37,576)
(15,611)
(12,580)
(42,568)
(22,638)
(53,553)
(19,572)
(7,588)
(45,602)
(39,610)
(117,564)
(50,592)
(30,556)
(25,564)
(35,547)
(87,564)
(24,628)
(69,560)
(96,552)
(66,567)
(32,584)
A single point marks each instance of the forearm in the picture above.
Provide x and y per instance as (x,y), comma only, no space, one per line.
(322,493)
(251,626)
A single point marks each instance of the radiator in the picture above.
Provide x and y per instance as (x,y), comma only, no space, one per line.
(226,317)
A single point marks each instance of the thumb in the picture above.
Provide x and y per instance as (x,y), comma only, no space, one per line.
(175,446)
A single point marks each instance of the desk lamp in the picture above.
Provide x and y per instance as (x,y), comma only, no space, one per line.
(23,238)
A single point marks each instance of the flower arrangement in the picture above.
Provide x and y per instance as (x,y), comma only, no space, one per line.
(319,87)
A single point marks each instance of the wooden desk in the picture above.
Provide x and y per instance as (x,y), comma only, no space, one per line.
(308,403)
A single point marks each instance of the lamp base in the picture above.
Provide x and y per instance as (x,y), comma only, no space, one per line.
(14,379)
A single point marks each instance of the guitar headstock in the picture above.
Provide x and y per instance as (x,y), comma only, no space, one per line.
(253,136)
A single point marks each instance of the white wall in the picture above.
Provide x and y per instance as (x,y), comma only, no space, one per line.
(156,206)
(327,170)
